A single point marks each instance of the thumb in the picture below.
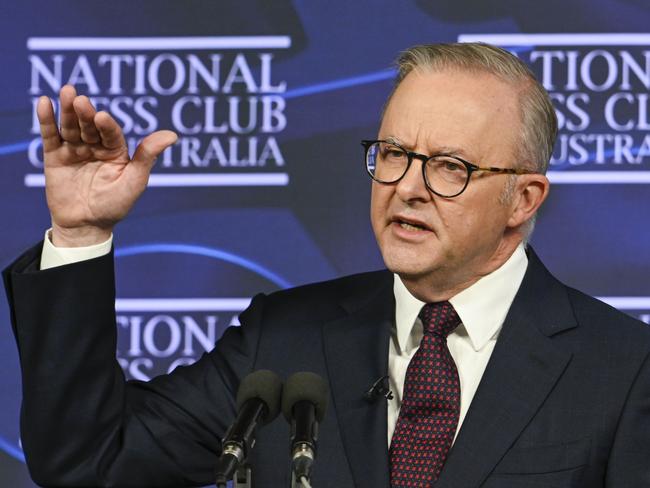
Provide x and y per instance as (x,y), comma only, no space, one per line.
(150,148)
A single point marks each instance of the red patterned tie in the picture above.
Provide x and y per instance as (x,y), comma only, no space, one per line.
(430,408)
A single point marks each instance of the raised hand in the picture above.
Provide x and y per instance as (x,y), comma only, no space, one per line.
(90,181)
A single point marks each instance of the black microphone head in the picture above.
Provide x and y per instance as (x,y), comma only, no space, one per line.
(265,385)
(305,386)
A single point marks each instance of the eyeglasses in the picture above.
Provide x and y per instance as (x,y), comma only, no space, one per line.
(445,175)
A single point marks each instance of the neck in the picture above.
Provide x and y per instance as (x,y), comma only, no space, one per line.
(443,284)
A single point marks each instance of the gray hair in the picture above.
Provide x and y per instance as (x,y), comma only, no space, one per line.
(538,119)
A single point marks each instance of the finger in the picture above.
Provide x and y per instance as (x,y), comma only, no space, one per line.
(109,130)
(150,148)
(86,115)
(145,155)
(69,122)
(49,130)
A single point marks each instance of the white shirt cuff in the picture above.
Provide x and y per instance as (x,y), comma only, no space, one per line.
(53,256)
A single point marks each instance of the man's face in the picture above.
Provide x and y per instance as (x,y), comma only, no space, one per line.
(422,235)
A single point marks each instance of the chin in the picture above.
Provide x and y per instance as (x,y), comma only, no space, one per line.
(407,266)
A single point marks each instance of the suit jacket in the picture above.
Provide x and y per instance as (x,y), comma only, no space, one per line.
(564,400)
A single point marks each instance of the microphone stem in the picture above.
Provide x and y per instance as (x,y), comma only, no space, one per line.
(239,440)
(305,482)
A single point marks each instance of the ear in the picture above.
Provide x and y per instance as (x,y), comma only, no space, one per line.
(530,193)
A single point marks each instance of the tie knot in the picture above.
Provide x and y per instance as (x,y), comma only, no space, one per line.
(439,318)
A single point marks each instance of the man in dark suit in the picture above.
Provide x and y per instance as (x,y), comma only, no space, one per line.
(503,377)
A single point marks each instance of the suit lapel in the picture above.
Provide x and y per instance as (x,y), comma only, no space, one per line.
(356,351)
(523,368)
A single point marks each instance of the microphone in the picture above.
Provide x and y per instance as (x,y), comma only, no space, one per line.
(304,402)
(380,388)
(258,403)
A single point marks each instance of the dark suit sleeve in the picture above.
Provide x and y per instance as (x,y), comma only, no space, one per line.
(81,423)
(629,460)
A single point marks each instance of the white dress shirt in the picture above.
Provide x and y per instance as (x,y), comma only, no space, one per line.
(482,309)
(53,256)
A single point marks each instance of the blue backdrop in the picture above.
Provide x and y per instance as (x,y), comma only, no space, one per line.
(266,187)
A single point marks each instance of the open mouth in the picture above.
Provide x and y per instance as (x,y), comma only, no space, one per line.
(411,225)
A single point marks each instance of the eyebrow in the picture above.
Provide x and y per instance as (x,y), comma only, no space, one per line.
(447,150)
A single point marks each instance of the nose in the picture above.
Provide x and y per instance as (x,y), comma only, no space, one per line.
(412,187)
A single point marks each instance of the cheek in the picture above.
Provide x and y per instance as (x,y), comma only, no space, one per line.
(379,198)
(464,226)
(481,226)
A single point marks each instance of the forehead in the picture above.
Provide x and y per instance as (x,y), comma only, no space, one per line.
(475,112)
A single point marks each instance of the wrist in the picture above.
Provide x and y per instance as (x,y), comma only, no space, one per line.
(78,236)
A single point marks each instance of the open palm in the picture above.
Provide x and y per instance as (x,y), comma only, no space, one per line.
(91,183)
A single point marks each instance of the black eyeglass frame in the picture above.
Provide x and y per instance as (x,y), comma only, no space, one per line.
(410,155)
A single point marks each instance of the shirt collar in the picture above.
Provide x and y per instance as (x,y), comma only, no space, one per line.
(482,307)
